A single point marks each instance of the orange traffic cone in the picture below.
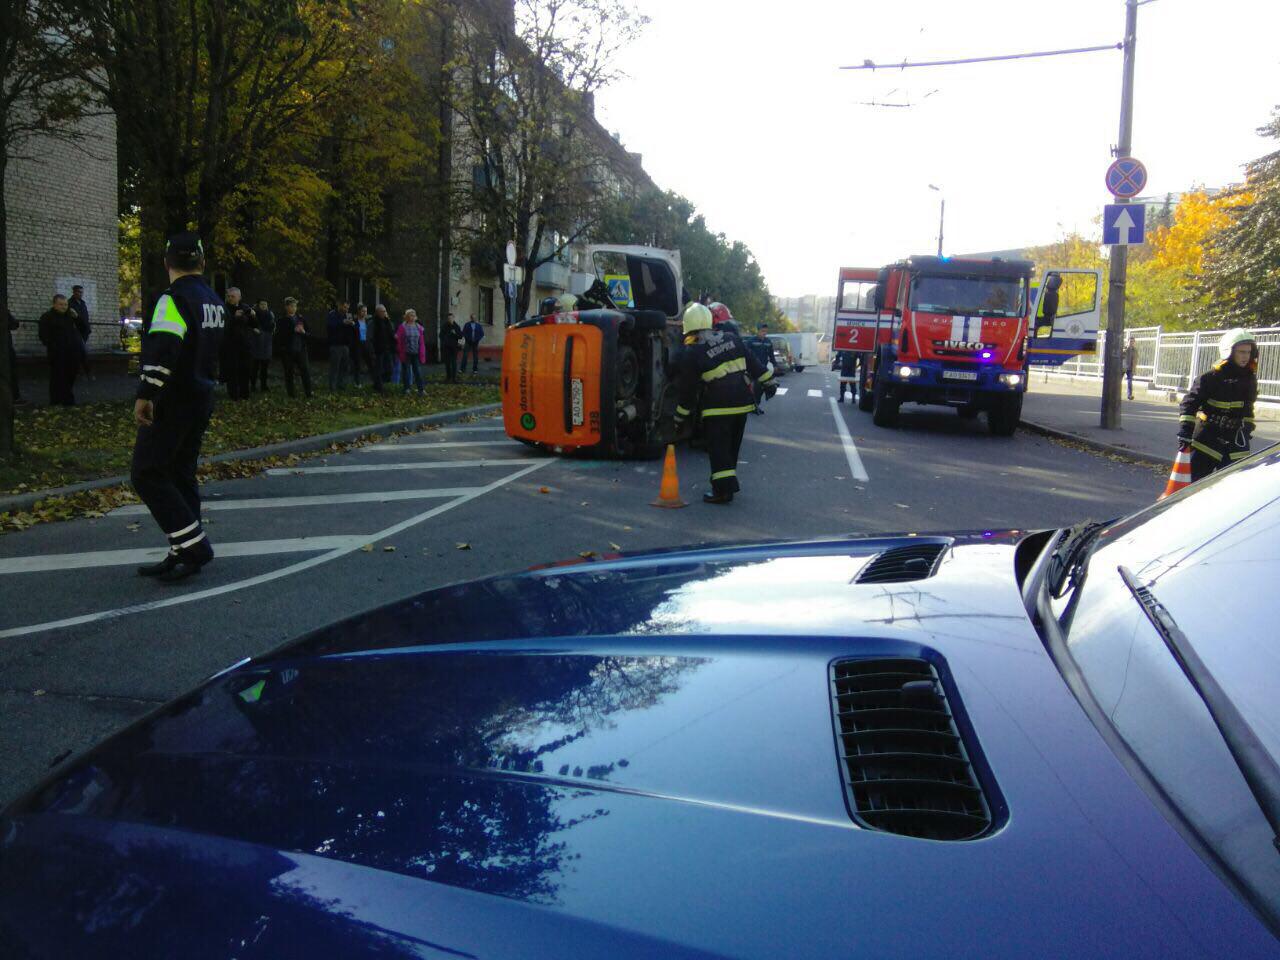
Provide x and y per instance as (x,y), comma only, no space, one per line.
(669,495)
(1180,476)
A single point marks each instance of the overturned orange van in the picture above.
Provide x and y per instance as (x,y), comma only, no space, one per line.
(599,380)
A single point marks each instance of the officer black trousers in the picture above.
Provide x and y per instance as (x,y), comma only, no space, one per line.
(164,462)
(724,440)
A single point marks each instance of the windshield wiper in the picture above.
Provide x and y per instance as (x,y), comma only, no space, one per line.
(1066,563)
(1256,765)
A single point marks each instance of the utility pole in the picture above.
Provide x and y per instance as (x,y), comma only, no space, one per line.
(942,215)
(1113,361)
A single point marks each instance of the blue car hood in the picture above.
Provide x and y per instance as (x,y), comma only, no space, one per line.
(631,758)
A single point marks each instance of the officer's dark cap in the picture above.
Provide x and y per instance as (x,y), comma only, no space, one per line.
(185,244)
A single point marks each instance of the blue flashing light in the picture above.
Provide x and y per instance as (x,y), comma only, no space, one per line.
(986,354)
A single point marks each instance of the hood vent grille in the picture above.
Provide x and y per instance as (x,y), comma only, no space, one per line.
(905,766)
(903,564)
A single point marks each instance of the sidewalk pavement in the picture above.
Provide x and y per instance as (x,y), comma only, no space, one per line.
(1149,427)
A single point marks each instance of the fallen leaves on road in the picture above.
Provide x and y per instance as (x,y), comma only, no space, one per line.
(544,489)
(904,506)
(614,546)
(587,554)
(463,546)
(388,549)
(367,548)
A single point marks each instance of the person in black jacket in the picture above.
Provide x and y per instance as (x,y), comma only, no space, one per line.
(237,346)
(291,345)
(450,336)
(762,347)
(60,334)
(180,351)
(1049,305)
(1216,420)
(83,324)
(263,335)
(717,368)
(382,337)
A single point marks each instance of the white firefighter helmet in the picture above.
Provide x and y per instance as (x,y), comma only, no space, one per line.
(696,317)
(566,303)
(1232,339)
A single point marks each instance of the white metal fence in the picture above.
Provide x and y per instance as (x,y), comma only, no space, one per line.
(1172,361)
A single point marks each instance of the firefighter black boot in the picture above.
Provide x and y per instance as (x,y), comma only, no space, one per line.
(156,569)
(188,562)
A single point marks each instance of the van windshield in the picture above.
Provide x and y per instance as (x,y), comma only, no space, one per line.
(969,296)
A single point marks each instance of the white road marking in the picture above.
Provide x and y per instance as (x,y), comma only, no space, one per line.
(782,391)
(435,445)
(856,469)
(414,465)
(816,393)
(264,503)
(48,562)
(172,601)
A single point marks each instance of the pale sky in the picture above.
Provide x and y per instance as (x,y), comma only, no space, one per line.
(739,105)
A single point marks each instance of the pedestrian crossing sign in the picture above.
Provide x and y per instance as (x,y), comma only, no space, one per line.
(619,290)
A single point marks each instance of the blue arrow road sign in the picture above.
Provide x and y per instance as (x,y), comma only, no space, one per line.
(1124,224)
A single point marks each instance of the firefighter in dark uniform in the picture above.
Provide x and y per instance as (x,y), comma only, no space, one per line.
(175,400)
(716,367)
(1217,414)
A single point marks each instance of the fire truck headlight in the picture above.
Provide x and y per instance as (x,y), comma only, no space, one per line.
(905,372)
(1011,379)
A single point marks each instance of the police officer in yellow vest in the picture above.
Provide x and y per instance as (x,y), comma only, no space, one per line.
(716,369)
(1217,413)
(180,347)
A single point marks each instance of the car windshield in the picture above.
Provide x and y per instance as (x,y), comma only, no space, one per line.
(970,296)
(1209,554)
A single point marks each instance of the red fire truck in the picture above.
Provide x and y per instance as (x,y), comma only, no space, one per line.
(939,330)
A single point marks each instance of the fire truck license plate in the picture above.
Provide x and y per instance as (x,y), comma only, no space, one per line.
(576,401)
(958,375)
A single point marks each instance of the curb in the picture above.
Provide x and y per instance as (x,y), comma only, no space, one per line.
(1098,445)
(22,501)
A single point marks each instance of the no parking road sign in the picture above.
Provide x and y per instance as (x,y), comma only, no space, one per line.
(1124,224)
(1126,178)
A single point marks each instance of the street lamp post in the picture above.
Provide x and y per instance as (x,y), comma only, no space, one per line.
(942,216)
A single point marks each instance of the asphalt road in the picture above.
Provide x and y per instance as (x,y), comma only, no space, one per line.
(86,646)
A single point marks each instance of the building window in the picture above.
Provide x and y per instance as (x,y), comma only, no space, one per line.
(486,305)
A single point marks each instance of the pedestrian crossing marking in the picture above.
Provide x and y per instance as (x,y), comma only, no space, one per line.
(322,500)
(413,465)
(48,562)
(350,545)
(782,391)
(816,393)
(435,445)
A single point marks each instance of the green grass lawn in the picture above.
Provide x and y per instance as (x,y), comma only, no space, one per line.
(61,445)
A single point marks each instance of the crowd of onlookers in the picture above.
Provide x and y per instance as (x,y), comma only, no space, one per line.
(387,351)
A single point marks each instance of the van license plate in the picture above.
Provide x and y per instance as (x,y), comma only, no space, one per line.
(576,400)
(958,375)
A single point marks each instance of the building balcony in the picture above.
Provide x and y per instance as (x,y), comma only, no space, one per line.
(552,275)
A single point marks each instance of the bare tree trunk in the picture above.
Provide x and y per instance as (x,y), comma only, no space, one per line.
(7,373)
(444,178)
